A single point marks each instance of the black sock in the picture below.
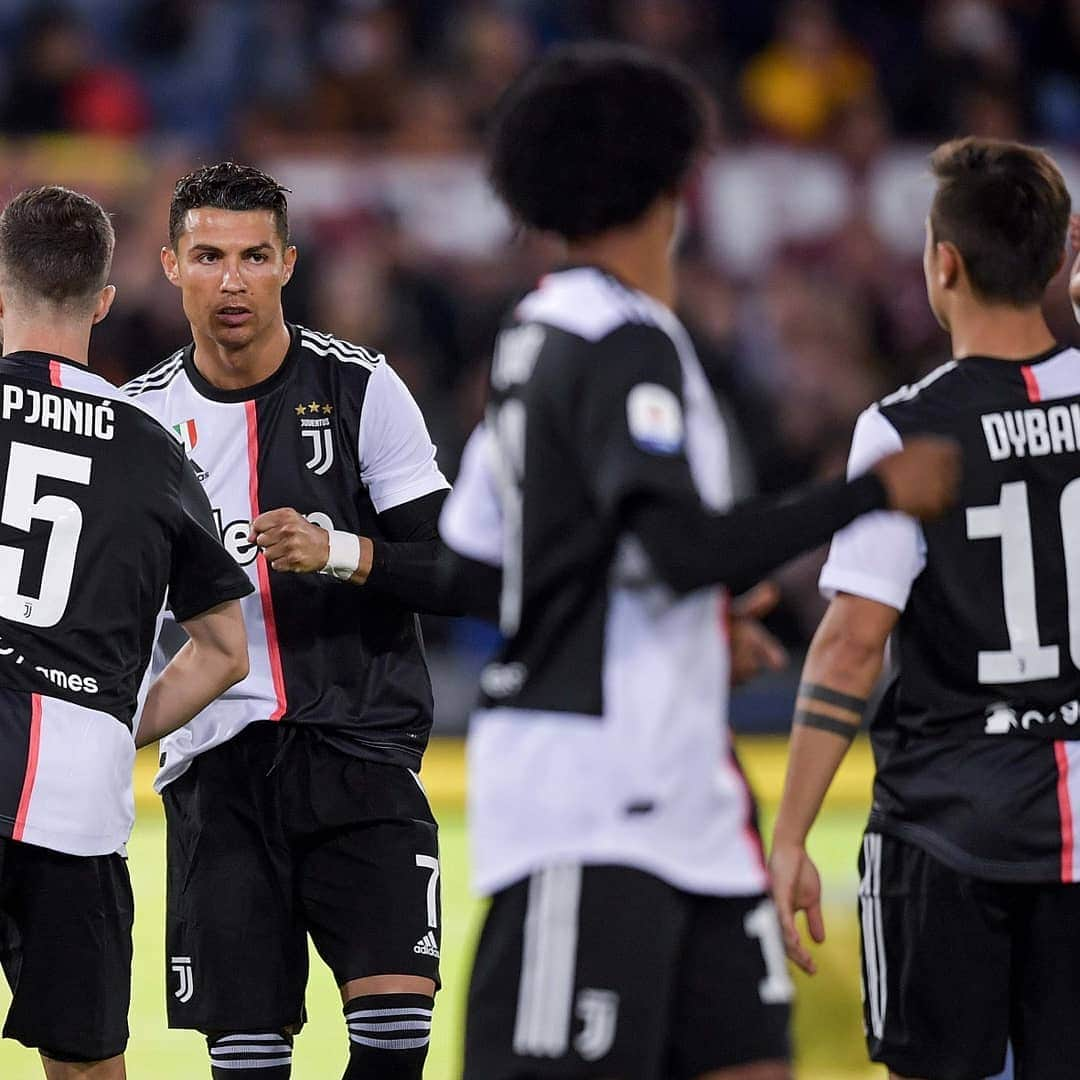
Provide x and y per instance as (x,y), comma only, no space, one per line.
(388,1036)
(250,1055)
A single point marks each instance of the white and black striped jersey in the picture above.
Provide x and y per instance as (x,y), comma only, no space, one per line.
(977,742)
(334,434)
(602,732)
(99,515)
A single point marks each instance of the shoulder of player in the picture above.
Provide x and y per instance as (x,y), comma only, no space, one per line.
(590,305)
(158,377)
(613,324)
(334,350)
(139,419)
(916,403)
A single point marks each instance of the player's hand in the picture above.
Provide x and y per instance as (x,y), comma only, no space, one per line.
(796,886)
(1074,274)
(290,542)
(753,648)
(922,479)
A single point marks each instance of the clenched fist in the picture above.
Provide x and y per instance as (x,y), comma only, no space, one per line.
(290,542)
(923,478)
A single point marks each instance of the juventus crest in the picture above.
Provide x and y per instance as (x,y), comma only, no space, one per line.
(182,966)
(315,425)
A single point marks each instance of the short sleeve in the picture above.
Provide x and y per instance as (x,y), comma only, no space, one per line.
(397,456)
(879,555)
(633,420)
(202,574)
(471,520)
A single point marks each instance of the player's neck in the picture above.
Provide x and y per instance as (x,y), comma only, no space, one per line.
(44,336)
(639,255)
(236,369)
(1006,333)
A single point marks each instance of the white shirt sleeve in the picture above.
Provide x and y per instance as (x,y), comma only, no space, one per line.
(471,521)
(879,555)
(397,456)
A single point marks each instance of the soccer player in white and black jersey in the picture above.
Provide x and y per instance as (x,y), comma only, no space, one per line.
(293,803)
(630,933)
(969,898)
(100,514)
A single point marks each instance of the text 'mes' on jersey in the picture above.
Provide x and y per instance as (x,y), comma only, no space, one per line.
(335,435)
(99,515)
(601,735)
(977,742)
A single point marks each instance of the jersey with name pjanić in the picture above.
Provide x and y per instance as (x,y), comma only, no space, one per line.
(601,736)
(99,515)
(334,434)
(977,741)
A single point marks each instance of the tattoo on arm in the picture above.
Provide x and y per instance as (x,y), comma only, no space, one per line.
(828,710)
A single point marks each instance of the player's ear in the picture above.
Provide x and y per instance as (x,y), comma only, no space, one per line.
(104,303)
(170,265)
(290,264)
(949,266)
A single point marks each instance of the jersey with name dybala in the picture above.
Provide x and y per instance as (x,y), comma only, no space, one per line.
(334,434)
(99,515)
(977,741)
(601,737)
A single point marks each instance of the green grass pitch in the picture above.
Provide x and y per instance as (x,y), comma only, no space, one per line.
(828,1031)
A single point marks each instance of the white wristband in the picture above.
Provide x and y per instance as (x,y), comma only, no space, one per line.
(344,558)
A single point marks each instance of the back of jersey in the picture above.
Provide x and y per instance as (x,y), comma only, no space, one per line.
(89,514)
(975,743)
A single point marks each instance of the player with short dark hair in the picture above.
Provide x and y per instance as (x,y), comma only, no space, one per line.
(293,803)
(630,932)
(970,911)
(99,515)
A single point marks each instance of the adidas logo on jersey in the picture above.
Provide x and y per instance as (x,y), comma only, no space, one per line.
(427,946)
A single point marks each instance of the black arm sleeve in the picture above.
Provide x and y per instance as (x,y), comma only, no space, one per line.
(202,574)
(691,547)
(410,567)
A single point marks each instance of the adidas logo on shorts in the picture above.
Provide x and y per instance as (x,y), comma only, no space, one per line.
(427,946)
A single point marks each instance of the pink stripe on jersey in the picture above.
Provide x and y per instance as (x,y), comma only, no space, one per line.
(1065,810)
(1053,379)
(1067,755)
(31,765)
(1032,384)
(55,368)
(261,567)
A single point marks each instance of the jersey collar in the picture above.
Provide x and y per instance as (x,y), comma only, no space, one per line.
(31,355)
(245,393)
(1002,363)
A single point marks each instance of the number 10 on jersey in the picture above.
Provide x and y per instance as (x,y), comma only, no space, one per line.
(1026,660)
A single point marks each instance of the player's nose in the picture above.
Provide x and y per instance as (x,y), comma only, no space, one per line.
(232,280)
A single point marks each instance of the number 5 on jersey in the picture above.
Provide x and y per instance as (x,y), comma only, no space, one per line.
(20,509)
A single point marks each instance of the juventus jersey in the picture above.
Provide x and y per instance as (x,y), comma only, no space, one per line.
(334,434)
(601,735)
(977,742)
(100,514)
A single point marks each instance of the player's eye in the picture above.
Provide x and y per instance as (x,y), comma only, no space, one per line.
(257,257)
(207,257)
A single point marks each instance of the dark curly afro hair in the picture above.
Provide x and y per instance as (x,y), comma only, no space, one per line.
(587,139)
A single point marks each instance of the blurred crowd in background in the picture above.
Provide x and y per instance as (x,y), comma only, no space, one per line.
(801,263)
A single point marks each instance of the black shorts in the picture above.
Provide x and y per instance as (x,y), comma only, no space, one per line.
(275,835)
(65,946)
(607,971)
(954,966)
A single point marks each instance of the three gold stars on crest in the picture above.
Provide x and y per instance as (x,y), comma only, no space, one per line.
(313,407)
